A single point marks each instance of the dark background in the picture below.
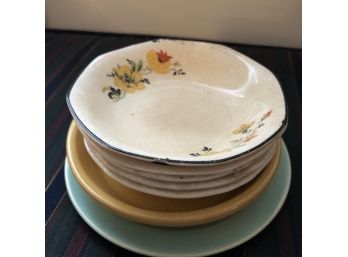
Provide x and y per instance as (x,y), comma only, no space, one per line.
(67,54)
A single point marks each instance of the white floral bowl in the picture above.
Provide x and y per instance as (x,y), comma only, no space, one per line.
(181,188)
(178,102)
(157,169)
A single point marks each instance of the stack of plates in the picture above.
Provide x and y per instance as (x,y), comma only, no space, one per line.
(178,181)
(200,240)
(175,133)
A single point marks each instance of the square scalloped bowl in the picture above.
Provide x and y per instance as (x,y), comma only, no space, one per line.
(178,102)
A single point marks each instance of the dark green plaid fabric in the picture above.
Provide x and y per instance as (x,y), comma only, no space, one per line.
(67,54)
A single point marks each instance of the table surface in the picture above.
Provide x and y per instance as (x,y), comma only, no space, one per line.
(67,54)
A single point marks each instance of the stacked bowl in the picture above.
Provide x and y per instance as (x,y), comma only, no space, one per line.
(175,133)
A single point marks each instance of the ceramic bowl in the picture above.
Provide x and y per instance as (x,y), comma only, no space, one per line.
(185,190)
(154,210)
(155,168)
(155,175)
(185,174)
(237,177)
(178,102)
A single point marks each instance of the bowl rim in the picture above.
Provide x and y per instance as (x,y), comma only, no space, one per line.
(281,128)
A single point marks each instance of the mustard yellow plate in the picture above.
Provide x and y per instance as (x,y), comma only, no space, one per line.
(154,210)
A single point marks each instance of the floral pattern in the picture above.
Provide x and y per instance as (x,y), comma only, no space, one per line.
(128,80)
(159,62)
(243,128)
(130,77)
(114,94)
(246,133)
(205,150)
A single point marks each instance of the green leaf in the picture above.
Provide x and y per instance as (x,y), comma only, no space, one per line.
(133,66)
(139,65)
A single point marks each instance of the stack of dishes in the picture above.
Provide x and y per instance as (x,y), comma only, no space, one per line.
(186,129)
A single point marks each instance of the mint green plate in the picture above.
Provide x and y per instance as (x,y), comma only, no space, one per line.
(190,241)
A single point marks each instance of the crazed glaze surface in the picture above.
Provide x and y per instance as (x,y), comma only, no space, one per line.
(178,101)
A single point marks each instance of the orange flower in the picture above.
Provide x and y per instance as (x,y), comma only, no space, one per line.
(163,56)
(159,62)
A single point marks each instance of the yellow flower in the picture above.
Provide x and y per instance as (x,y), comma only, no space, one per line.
(128,80)
(159,62)
(243,128)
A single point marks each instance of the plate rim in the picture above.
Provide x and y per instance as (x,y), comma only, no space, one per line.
(214,251)
(281,128)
